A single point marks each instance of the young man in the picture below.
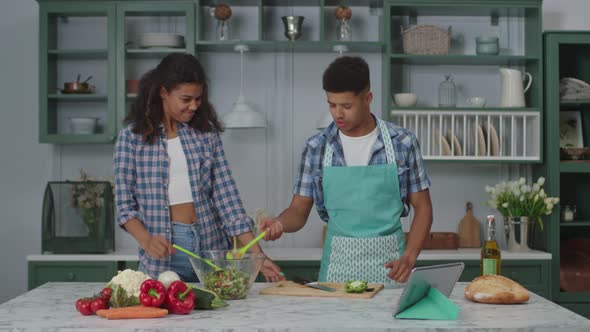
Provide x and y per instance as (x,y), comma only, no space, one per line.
(361,173)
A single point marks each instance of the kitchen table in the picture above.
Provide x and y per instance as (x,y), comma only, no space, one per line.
(51,308)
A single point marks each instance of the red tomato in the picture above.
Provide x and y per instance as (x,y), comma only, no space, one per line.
(84,307)
(106,292)
(97,304)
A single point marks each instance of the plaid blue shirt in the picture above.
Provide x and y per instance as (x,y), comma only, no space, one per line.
(410,165)
(141,174)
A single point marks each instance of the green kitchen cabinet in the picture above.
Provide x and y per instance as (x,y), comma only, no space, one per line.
(459,131)
(76,41)
(41,272)
(567,54)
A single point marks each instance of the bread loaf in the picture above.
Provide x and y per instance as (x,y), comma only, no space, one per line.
(496,289)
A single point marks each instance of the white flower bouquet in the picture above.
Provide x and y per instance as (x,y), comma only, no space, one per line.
(518,199)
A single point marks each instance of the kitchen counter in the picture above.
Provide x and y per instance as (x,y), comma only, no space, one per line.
(51,307)
(305,254)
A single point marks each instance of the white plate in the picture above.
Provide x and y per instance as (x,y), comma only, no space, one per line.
(445,148)
(479,139)
(458,149)
(494,141)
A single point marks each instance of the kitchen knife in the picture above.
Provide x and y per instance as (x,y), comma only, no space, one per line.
(318,286)
(315,284)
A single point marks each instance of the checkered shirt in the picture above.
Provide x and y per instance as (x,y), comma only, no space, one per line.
(141,174)
(410,165)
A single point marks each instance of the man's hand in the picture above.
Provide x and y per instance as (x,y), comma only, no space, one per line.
(401,268)
(158,247)
(273,227)
(271,271)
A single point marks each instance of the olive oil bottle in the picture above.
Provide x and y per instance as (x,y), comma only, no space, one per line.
(491,260)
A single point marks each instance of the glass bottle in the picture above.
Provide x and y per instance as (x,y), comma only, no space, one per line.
(447,93)
(491,260)
(223,30)
(344,30)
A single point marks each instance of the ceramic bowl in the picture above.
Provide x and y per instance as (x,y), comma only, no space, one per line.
(83,125)
(476,101)
(405,99)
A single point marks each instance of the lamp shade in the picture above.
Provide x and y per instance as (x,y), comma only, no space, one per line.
(243,116)
(325,121)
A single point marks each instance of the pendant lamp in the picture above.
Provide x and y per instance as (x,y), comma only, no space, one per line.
(327,119)
(242,115)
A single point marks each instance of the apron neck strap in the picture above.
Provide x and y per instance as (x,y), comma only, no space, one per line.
(389,151)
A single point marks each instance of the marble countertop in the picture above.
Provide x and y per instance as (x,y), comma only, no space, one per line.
(51,308)
(305,254)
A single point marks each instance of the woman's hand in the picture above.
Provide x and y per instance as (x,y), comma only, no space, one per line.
(271,271)
(273,228)
(401,268)
(157,247)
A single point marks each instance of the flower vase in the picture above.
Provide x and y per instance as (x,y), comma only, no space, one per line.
(90,218)
(517,232)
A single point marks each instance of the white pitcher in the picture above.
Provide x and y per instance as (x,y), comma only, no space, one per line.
(512,87)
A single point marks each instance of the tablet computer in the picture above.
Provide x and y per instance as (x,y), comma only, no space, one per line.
(443,277)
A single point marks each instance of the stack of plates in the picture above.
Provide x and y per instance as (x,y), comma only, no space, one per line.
(161,40)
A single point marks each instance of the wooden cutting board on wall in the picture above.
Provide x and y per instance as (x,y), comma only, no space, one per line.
(290,288)
(469,229)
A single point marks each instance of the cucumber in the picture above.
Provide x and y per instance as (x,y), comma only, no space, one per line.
(207,300)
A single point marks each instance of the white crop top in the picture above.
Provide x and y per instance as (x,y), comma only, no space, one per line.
(179,188)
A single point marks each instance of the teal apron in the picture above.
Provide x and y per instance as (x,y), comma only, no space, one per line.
(364,230)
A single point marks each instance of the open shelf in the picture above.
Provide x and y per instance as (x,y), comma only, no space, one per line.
(462,59)
(78,97)
(288,46)
(78,54)
(153,52)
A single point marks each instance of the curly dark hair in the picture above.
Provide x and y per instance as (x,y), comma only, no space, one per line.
(347,74)
(147,112)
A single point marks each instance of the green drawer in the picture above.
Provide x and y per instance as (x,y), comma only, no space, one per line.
(41,272)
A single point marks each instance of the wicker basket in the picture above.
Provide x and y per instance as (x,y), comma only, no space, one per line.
(426,39)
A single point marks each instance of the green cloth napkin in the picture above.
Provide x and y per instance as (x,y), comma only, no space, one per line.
(432,306)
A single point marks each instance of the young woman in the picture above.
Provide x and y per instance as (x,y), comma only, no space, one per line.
(172,178)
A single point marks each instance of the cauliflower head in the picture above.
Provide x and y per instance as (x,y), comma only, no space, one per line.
(130,280)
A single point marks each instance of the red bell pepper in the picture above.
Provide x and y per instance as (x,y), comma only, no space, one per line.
(180,298)
(152,293)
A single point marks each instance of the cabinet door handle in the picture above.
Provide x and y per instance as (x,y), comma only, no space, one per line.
(70,276)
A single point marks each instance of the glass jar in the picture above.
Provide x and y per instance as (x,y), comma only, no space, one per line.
(447,93)
(568,213)
(223,30)
(344,31)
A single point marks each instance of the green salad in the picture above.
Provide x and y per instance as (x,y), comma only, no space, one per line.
(228,284)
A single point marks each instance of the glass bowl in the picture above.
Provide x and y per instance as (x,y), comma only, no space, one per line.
(236,276)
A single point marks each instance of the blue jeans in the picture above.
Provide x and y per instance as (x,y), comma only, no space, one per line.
(186,236)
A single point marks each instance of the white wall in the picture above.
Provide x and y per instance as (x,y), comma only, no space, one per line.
(26,165)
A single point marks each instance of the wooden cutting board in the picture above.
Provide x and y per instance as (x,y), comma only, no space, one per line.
(290,288)
(469,230)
